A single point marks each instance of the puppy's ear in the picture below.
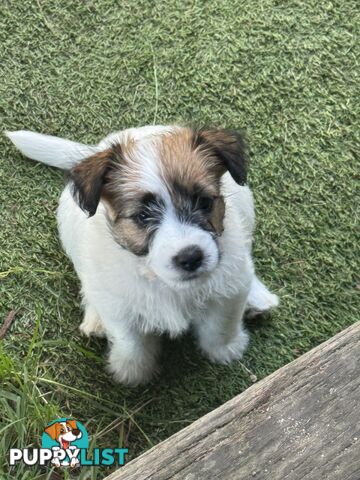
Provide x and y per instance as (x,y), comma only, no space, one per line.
(53,431)
(91,175)
(228,147)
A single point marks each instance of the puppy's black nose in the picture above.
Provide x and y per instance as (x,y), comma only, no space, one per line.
(75,431)
(189,258)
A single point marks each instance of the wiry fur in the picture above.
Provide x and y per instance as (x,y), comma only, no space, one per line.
(131,290)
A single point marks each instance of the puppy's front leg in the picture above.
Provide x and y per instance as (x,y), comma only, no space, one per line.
(132,359)
(220,330)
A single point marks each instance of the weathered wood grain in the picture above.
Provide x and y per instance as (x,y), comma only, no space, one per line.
(300,423)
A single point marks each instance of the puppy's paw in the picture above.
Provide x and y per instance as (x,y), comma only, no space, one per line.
(260,299)
(132,371)
(92,324)
(233,350)
(262,306)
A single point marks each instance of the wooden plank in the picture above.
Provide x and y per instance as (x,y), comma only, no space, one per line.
(300,423)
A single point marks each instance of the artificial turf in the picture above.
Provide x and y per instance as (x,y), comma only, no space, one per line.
(286,71)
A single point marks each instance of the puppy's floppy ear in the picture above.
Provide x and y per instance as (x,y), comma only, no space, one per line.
(91,175)
(228,147)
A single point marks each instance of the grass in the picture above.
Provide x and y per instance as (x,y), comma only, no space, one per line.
(284,70)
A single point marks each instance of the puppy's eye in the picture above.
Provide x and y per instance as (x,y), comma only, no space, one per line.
(142,217)
(62,430)
(150,212)
(205,204)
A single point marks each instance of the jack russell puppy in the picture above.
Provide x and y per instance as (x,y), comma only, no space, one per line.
(158,222)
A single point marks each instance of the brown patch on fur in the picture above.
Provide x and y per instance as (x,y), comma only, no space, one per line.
(216,219)
(124,203)
(130,236)
(110,175)
(192,170)
(184,165)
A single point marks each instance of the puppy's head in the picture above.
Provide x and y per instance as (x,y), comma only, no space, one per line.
(163,196)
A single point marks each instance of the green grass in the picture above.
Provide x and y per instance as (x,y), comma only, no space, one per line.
(284,70)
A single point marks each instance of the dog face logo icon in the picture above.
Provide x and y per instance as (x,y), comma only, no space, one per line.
(64,432)
(65,437)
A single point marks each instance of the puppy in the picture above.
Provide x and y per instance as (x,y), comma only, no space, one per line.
(158,223)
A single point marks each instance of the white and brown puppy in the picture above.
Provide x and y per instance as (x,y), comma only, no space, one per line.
(158,223)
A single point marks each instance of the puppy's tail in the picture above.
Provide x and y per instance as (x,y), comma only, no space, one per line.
(53,151)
